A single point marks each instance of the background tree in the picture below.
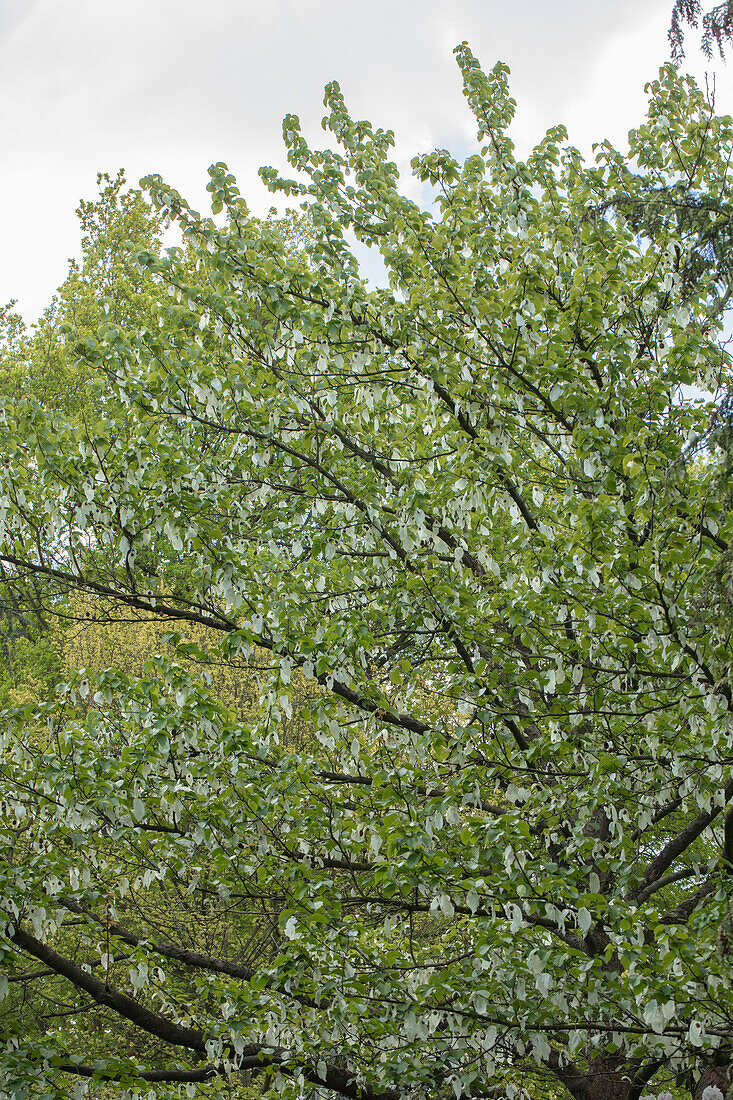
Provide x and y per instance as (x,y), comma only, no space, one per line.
(38,362)
(104,286)
(472,510)
(717,26)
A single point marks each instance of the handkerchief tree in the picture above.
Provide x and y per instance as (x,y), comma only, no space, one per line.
(471,530)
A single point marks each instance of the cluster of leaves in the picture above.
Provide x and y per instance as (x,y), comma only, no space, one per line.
(468,513)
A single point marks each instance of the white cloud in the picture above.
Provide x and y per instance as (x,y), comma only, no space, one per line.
(629,58)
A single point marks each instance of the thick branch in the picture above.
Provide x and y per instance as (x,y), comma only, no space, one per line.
(161,1076)
(678,844)
(195,959)
(130,1009)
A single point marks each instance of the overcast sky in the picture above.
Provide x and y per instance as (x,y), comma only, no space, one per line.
(171,86)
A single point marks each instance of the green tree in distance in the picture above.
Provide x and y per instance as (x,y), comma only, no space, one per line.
(473,510)
(39,362)
(105,286)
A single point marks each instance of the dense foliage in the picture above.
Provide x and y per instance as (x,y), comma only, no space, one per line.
(463,529)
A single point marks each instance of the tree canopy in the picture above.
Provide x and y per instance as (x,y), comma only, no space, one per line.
(475,515)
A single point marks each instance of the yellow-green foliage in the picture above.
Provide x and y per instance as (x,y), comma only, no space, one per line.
(125,644)
(30,663)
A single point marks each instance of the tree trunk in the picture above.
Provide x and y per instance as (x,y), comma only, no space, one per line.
(607,1078)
